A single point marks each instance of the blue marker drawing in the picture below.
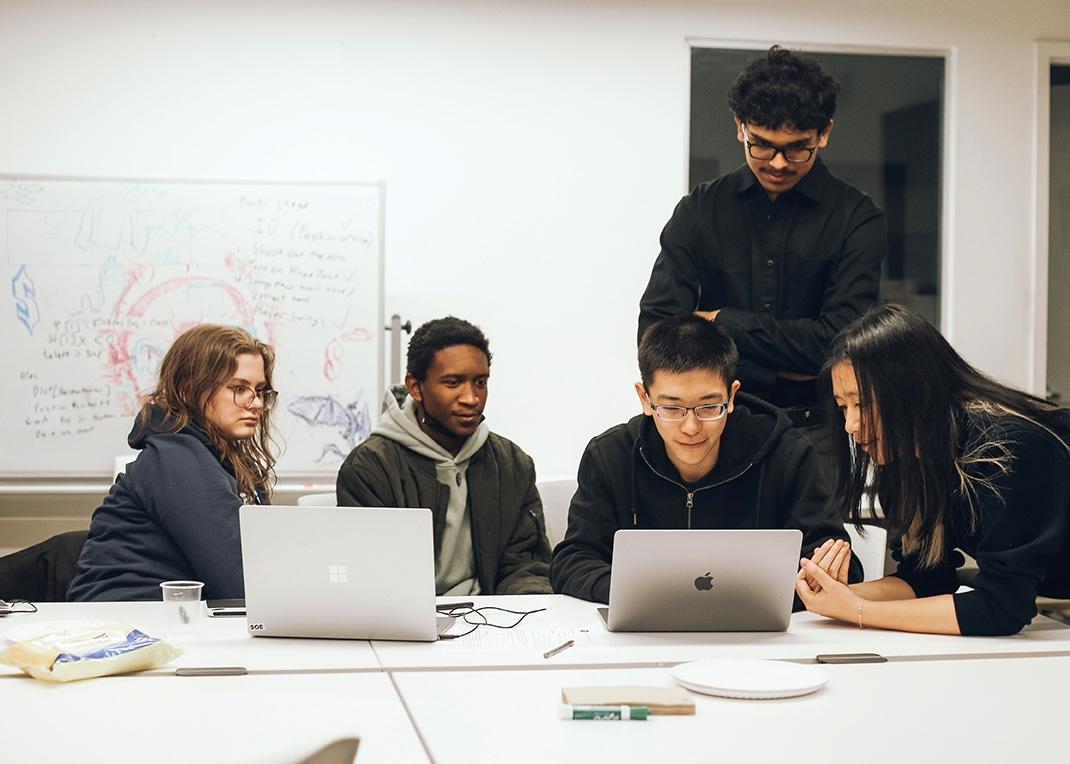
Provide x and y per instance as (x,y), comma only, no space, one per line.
(354,420)
(25,295)
(332,451)
(146,357)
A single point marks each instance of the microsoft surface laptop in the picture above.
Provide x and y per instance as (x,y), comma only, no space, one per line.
(691,580)
(339,572)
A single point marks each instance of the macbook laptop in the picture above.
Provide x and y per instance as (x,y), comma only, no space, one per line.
(689,580)
(339,572)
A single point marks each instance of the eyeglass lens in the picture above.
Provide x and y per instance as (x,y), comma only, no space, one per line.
(244,397)
(705,413)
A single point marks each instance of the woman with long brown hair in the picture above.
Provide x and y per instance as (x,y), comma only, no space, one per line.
(204,437)
(959,462)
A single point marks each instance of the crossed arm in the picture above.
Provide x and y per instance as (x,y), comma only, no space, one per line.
(711,315)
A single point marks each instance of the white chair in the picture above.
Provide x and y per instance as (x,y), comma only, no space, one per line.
(121,461)
(318,500)
(556,495)
(871,549)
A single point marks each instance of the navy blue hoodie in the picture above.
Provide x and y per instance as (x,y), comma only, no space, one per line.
(172,516)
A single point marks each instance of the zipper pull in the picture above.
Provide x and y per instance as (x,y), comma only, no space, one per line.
(690,500)
(635,519)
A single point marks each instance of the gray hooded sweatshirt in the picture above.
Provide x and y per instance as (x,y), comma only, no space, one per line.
(455,568)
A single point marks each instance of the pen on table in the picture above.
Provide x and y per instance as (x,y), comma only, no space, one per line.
(211,671)
(606,713)
(560,648)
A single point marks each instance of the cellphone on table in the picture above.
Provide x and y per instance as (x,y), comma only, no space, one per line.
(447,606)
(225,607)
(851,658)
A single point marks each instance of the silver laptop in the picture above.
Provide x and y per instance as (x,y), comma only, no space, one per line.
(689,580)
(339,572)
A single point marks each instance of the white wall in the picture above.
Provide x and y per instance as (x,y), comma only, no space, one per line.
(532,151)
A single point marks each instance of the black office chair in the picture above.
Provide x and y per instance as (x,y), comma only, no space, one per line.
(42,572)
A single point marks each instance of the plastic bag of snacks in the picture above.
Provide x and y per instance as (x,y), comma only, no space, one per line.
(64,651)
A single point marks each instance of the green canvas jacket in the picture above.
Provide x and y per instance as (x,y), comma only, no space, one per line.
(508,530)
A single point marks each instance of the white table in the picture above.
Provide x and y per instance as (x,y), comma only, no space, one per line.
(808,636)
(216,720)
(957,710)
(225,642)
(304,693)
(211,641)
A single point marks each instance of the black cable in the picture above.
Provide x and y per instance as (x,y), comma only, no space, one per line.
(470,611)
(11,607)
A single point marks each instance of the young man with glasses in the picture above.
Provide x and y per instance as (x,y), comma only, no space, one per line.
(701,455)
(780,253)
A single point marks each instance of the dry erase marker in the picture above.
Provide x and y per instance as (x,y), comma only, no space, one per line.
(607,713)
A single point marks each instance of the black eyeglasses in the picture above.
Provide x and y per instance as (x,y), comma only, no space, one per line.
(765,152)
(709,412)
(245,395)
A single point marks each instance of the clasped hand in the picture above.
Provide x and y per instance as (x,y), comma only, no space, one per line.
(822,581)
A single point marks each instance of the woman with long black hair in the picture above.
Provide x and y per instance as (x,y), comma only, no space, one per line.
(957,461)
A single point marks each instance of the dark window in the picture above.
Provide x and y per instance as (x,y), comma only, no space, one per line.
(1059,237)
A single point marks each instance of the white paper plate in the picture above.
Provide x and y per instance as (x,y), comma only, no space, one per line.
(38,629)
(751,679)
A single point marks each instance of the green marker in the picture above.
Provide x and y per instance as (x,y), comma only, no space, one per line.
(621,713)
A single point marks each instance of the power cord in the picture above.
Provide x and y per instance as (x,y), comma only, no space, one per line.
(13,606)
(464,612)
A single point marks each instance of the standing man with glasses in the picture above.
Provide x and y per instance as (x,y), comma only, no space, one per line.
(701,455)
(780,253)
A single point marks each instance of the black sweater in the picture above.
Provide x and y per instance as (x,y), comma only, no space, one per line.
(173,515)
(766,476)
(1021,538)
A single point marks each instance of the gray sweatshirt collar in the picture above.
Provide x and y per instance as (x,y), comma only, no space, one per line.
(399,424)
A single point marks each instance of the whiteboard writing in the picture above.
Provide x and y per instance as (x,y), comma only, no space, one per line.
(105,274)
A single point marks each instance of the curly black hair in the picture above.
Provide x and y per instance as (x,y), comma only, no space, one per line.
(784,88)
(441,333)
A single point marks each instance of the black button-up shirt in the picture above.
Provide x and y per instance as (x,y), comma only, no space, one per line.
(786,275)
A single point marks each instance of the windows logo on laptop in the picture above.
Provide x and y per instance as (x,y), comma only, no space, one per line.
(360,549)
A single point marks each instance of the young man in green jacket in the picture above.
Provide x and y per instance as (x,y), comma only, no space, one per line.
(435,450)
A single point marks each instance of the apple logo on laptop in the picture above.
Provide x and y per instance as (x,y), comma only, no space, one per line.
(704,583)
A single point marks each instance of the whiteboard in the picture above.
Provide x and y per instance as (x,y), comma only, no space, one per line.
(105,273)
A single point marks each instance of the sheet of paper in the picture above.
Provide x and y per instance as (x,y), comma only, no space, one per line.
(540,638)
